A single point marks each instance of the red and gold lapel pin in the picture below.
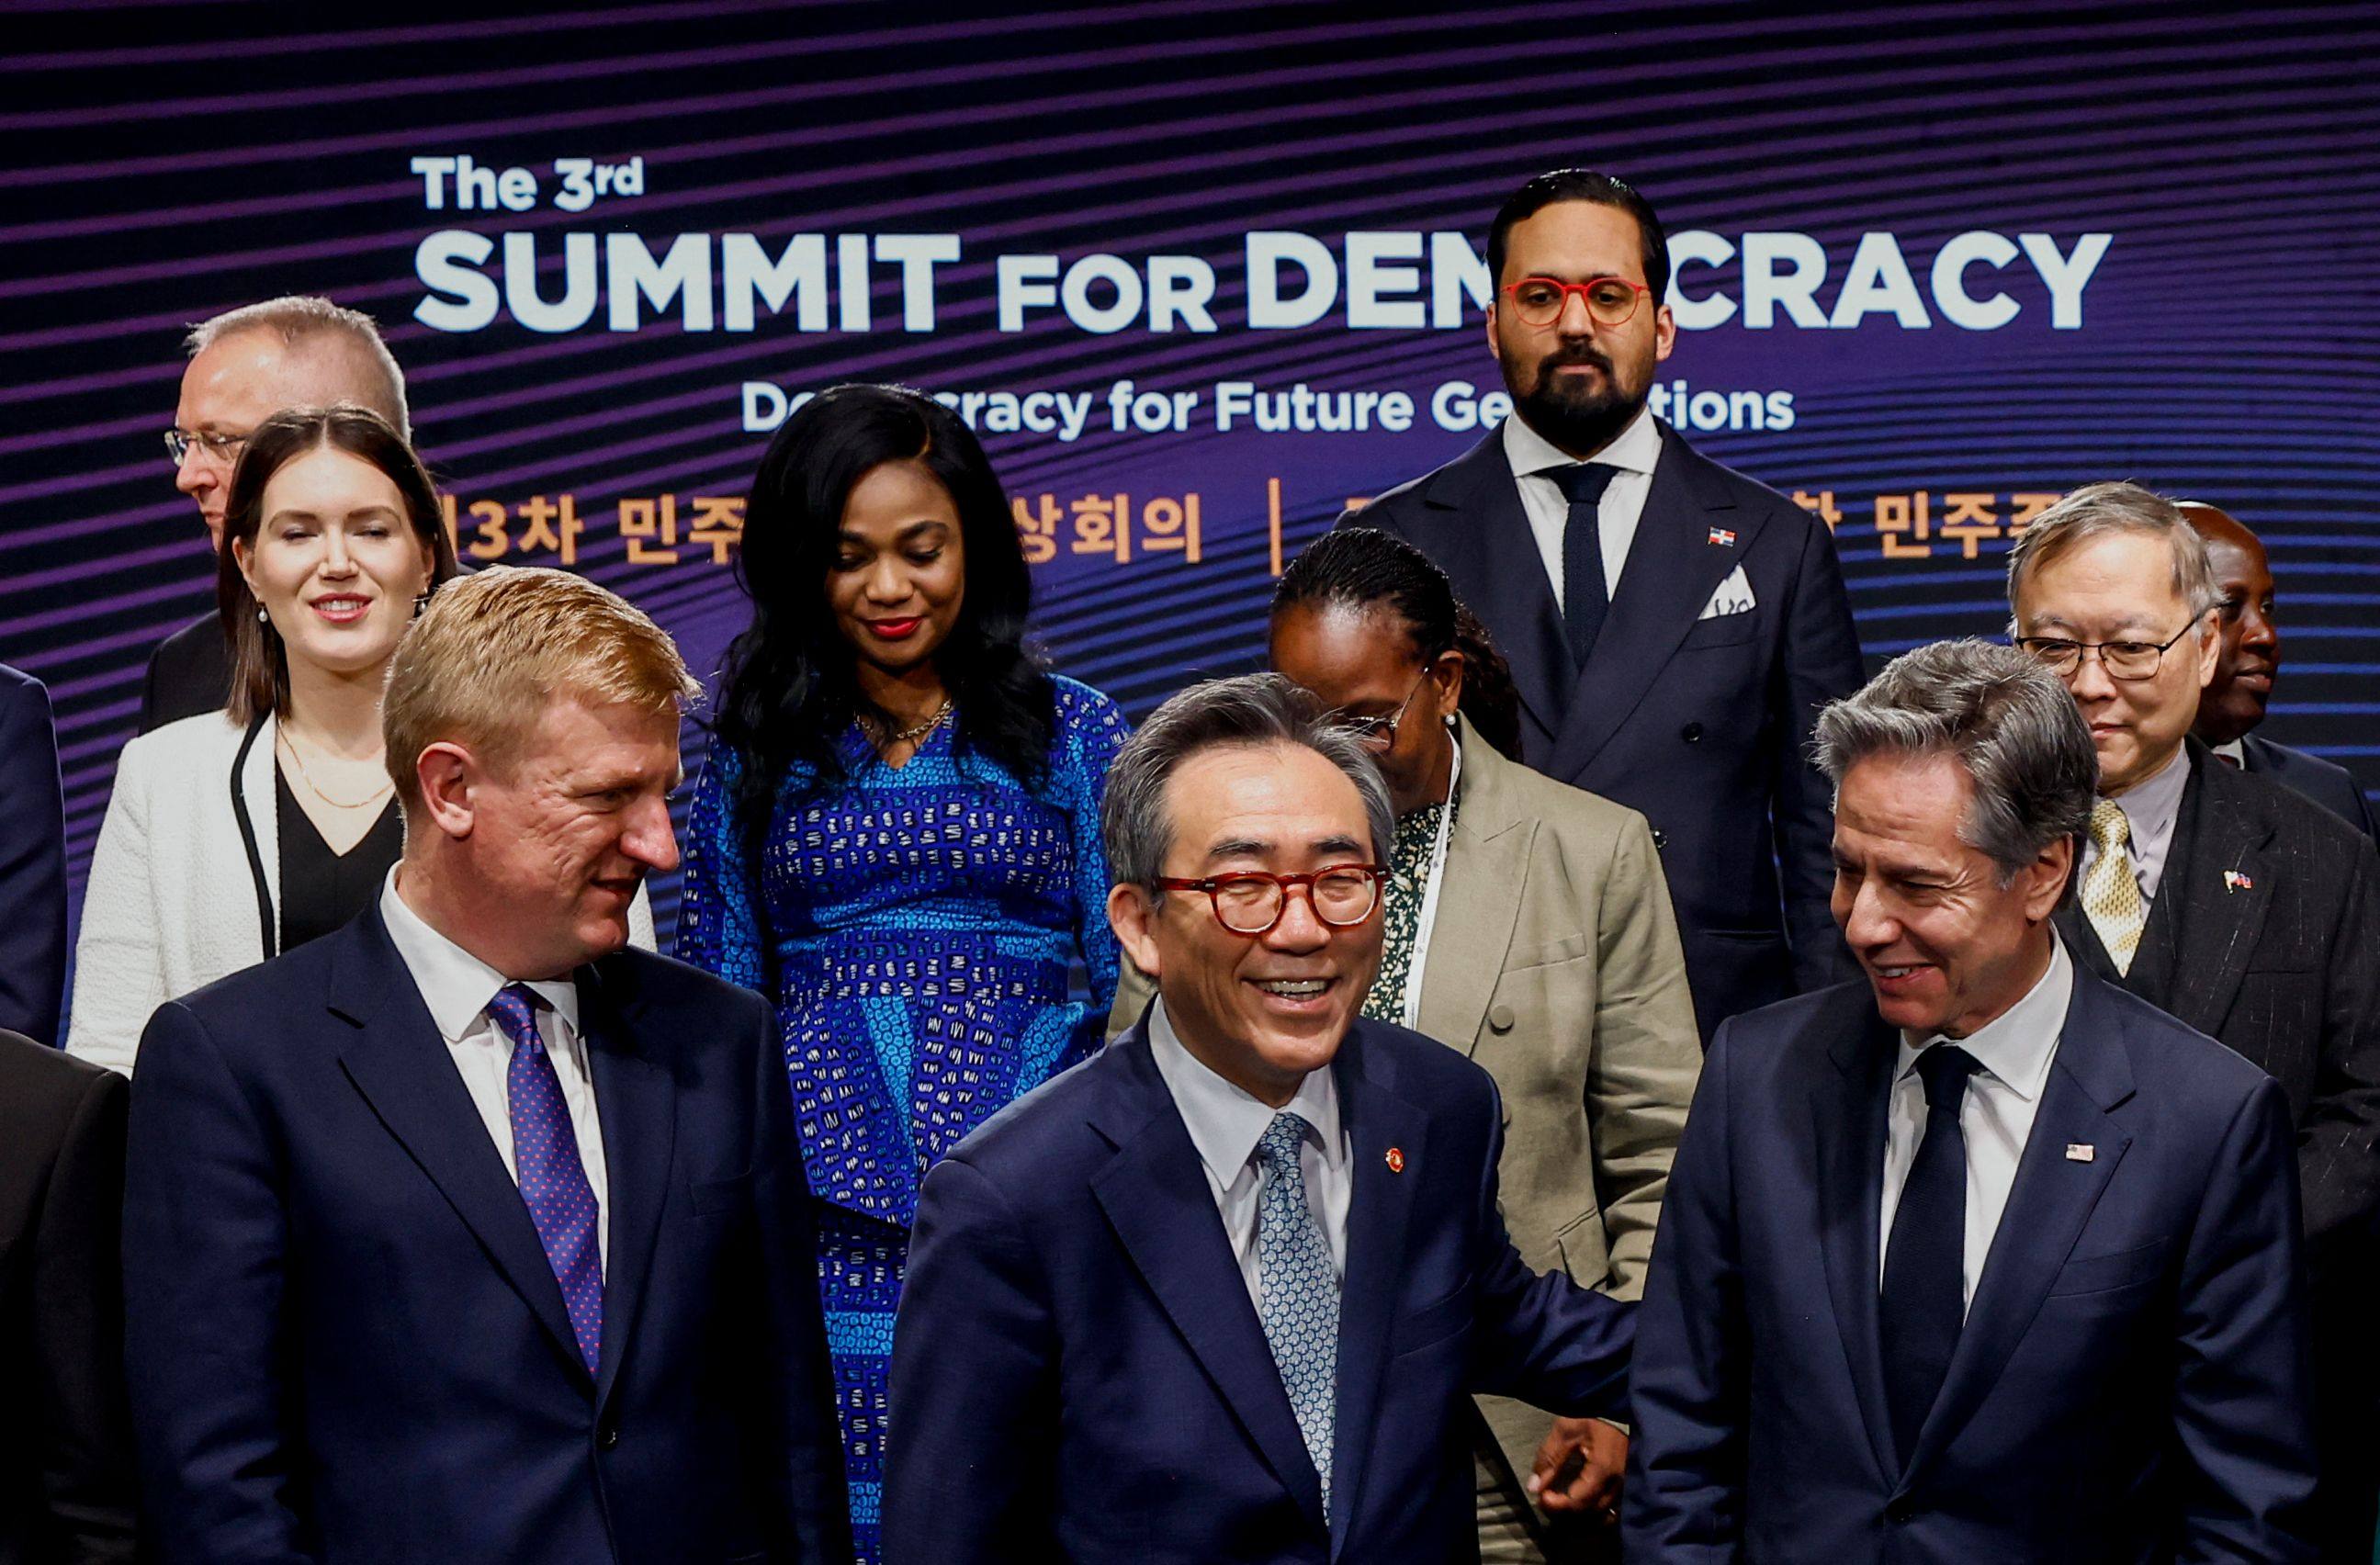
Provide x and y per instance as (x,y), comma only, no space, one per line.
(1396,1160)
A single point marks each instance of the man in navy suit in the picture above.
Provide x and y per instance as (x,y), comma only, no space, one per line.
(1673,627)
(467,1233)
(1984,1258)
(2233,704)
(1221,1292)
(32,863)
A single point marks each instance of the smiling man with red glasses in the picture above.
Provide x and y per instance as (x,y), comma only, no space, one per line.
(1673,627)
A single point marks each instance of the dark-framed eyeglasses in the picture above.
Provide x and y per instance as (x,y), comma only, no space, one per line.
(2122,659)
(181,442)
(1612,301)
(1378,734)
(1250,901)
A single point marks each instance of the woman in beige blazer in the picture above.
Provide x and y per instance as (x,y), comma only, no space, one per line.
(1528,925)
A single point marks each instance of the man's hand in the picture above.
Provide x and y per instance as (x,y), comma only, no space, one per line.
(1579,1468)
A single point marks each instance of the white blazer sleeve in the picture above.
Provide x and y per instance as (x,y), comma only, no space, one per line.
(119,960)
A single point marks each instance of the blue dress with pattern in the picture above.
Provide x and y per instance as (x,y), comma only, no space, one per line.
(915,928)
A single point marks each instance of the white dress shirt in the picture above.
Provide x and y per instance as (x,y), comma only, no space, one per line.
(1632,453)
(1996,1117)
(1225,1124)
(457,987)
(2152,805)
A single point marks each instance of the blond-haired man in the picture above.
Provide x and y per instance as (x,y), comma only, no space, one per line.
(468,1232)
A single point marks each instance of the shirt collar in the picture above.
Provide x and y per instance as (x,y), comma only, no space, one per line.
(2235,749)
(456,985)
(2152,803)
(1225,1122)
(2016,1047)
(1636,449)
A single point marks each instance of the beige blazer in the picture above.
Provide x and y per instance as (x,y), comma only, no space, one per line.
(1554,964)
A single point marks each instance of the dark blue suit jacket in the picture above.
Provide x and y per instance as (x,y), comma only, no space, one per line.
(32,862)
(345,1343)
(2326,782)
(2133,1381)
(1078,1373)
(1701,725)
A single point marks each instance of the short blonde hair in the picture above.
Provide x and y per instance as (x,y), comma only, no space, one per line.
(481,662)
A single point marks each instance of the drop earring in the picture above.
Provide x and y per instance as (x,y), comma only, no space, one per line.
(261,617)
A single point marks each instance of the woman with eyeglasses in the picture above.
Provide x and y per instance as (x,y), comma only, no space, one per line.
(235,835)
(1527,923)
(897,838)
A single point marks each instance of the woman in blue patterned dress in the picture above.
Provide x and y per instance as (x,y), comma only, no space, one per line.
(897,838)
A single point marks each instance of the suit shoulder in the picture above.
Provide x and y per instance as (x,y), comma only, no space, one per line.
(649,978)
(1392,509)
(1423,1069)
(2185,1064)
(1048,1128)
(210,739)
(2299,824)
(1564,806)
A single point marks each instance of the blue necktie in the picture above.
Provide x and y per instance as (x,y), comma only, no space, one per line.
(1583,597)
(553,1178)
(1924,1300)
(1300,1293)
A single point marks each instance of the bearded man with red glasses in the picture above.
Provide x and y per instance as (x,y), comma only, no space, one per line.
(1673,626)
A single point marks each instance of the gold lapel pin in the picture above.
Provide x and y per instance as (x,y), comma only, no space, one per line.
(1396,1160)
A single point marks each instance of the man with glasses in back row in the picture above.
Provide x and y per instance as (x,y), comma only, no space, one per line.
(2227,901)
(247,365)
(1673,626)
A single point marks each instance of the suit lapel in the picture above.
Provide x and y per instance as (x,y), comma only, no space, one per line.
(1848,1107)
(1156,1197)
(1484,541)
(1486,866)
(1673,566)
(2217,875)
(636,1106)
(399,1064)
(1380,1205)
(2052,1197)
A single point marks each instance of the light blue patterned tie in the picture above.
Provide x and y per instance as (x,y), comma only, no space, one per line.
(552,1176)
(1300,1293)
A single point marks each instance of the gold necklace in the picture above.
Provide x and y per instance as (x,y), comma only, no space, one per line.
(299,762)
(912,736)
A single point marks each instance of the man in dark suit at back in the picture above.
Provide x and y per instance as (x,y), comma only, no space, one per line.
(1983,1258)
(2228,902)
(65,1440)
(1221,1292)
(2233,705)
(1673,626)
(246,365)
(32,862)
(466,1232)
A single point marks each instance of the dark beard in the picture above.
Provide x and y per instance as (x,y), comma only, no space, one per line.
(1583,422)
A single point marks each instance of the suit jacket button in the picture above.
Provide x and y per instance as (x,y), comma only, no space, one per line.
(606,1438)
(1660,838)
(1902,1509)
(1691,733)
(1500,1020)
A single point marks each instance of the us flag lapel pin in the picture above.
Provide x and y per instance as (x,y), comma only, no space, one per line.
(2235,881)
(1723,537)
(2080,1151)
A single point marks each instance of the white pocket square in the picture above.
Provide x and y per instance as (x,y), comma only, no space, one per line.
(1733,597)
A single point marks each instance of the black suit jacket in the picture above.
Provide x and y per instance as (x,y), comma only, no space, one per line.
(1078,1373)
(2266,934)
(2328,784)
(344,1339)
(65,1440)
(2132,1380)
(32,862)
(189,674)
(1703,725)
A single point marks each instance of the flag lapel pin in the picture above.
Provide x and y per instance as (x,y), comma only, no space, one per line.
(2235,881)
(2080,1151)
(1722,536)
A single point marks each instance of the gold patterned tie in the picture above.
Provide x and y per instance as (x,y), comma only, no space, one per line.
(2111,897)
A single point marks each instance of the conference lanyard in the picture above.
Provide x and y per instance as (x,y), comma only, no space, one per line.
(1410,1012)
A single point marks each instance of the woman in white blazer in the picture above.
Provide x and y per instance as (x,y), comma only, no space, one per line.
(233,836)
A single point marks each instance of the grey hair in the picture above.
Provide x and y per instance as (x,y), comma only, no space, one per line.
(2003,716)
(2098,509)
(295,319)
(1253,709)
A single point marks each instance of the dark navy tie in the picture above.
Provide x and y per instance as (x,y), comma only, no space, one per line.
(1924,1301)
(553,1177)
(1583,597)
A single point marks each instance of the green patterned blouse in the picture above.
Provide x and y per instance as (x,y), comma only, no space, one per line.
(1407,889)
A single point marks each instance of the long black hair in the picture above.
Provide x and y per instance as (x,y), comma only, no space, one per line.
(1363,568)
(791,690)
